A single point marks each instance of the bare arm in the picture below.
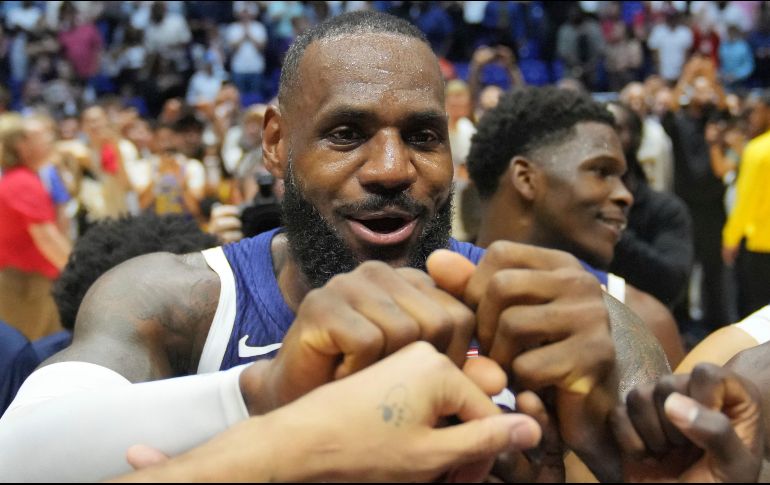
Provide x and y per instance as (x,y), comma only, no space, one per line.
(142,321)
(639,356)
(50,241)
(147,318)
(659,322)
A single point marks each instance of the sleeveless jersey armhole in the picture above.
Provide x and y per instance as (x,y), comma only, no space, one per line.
(224,318)
(757,325)
(616,286)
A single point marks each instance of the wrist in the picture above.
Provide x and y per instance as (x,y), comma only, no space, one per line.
(256,388)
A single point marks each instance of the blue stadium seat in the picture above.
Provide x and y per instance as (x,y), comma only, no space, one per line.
(252,98)
(495,74)
(535,72)
(461,69)
(139,104)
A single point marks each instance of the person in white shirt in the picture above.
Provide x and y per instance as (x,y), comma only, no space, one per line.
(670,41)
(655,151)
(167,35)
(204,85)
(246,40)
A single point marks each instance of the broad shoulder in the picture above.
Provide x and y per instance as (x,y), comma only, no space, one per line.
(148,317)
(659,321)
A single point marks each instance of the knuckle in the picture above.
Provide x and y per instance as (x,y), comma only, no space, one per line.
(423,348)
(498,285)
(372,268)
(508,324)
(405,331)
(370,341)
(415,276)
(707,373)
(436,360)
(466,319)
(524,370)
(564,259)
(316,298)
(498,250)
(440,325)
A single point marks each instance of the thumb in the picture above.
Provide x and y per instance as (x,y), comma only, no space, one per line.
(711,431)
(450,271)
(143,456)
(466,446)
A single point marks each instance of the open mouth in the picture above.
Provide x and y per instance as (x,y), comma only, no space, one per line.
(616,224)
(382,228)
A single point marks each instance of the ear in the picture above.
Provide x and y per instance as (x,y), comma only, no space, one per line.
(274,142)
(524,177)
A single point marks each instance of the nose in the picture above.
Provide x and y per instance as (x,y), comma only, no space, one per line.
(620,194)
(389,166)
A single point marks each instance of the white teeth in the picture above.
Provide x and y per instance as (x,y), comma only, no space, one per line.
(620,226)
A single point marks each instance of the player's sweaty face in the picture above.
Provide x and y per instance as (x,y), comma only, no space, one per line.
(369,143)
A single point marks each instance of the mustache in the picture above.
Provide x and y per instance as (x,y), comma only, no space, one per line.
(378,202)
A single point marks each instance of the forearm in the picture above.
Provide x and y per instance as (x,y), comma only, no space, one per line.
(147,197)
(50,241)
(74,421)
(720,165)
(228,457)
(639,359)
(191,202)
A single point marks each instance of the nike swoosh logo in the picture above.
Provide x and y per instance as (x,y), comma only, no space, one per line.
(245,351)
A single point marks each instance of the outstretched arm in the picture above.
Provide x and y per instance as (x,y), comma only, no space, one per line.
(377,425)
(144,320)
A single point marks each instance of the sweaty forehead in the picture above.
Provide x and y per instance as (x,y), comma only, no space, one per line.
(369,69)
(587,140)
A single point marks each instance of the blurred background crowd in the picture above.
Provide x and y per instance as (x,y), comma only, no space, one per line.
(127,107)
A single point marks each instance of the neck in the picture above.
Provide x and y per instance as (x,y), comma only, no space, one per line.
(504,221)
(291,282)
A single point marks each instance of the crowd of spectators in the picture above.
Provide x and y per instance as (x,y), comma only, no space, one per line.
(158,106)
(155,110)
(68,54)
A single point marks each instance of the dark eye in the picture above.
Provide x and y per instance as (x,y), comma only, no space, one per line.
(345,136)
(603,172)
(423,138)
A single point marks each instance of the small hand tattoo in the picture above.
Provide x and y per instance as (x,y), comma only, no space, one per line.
(394,408)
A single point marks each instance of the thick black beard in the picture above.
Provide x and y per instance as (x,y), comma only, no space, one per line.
(322,253)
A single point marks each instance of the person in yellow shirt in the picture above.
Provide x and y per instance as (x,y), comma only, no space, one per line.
(749,220)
